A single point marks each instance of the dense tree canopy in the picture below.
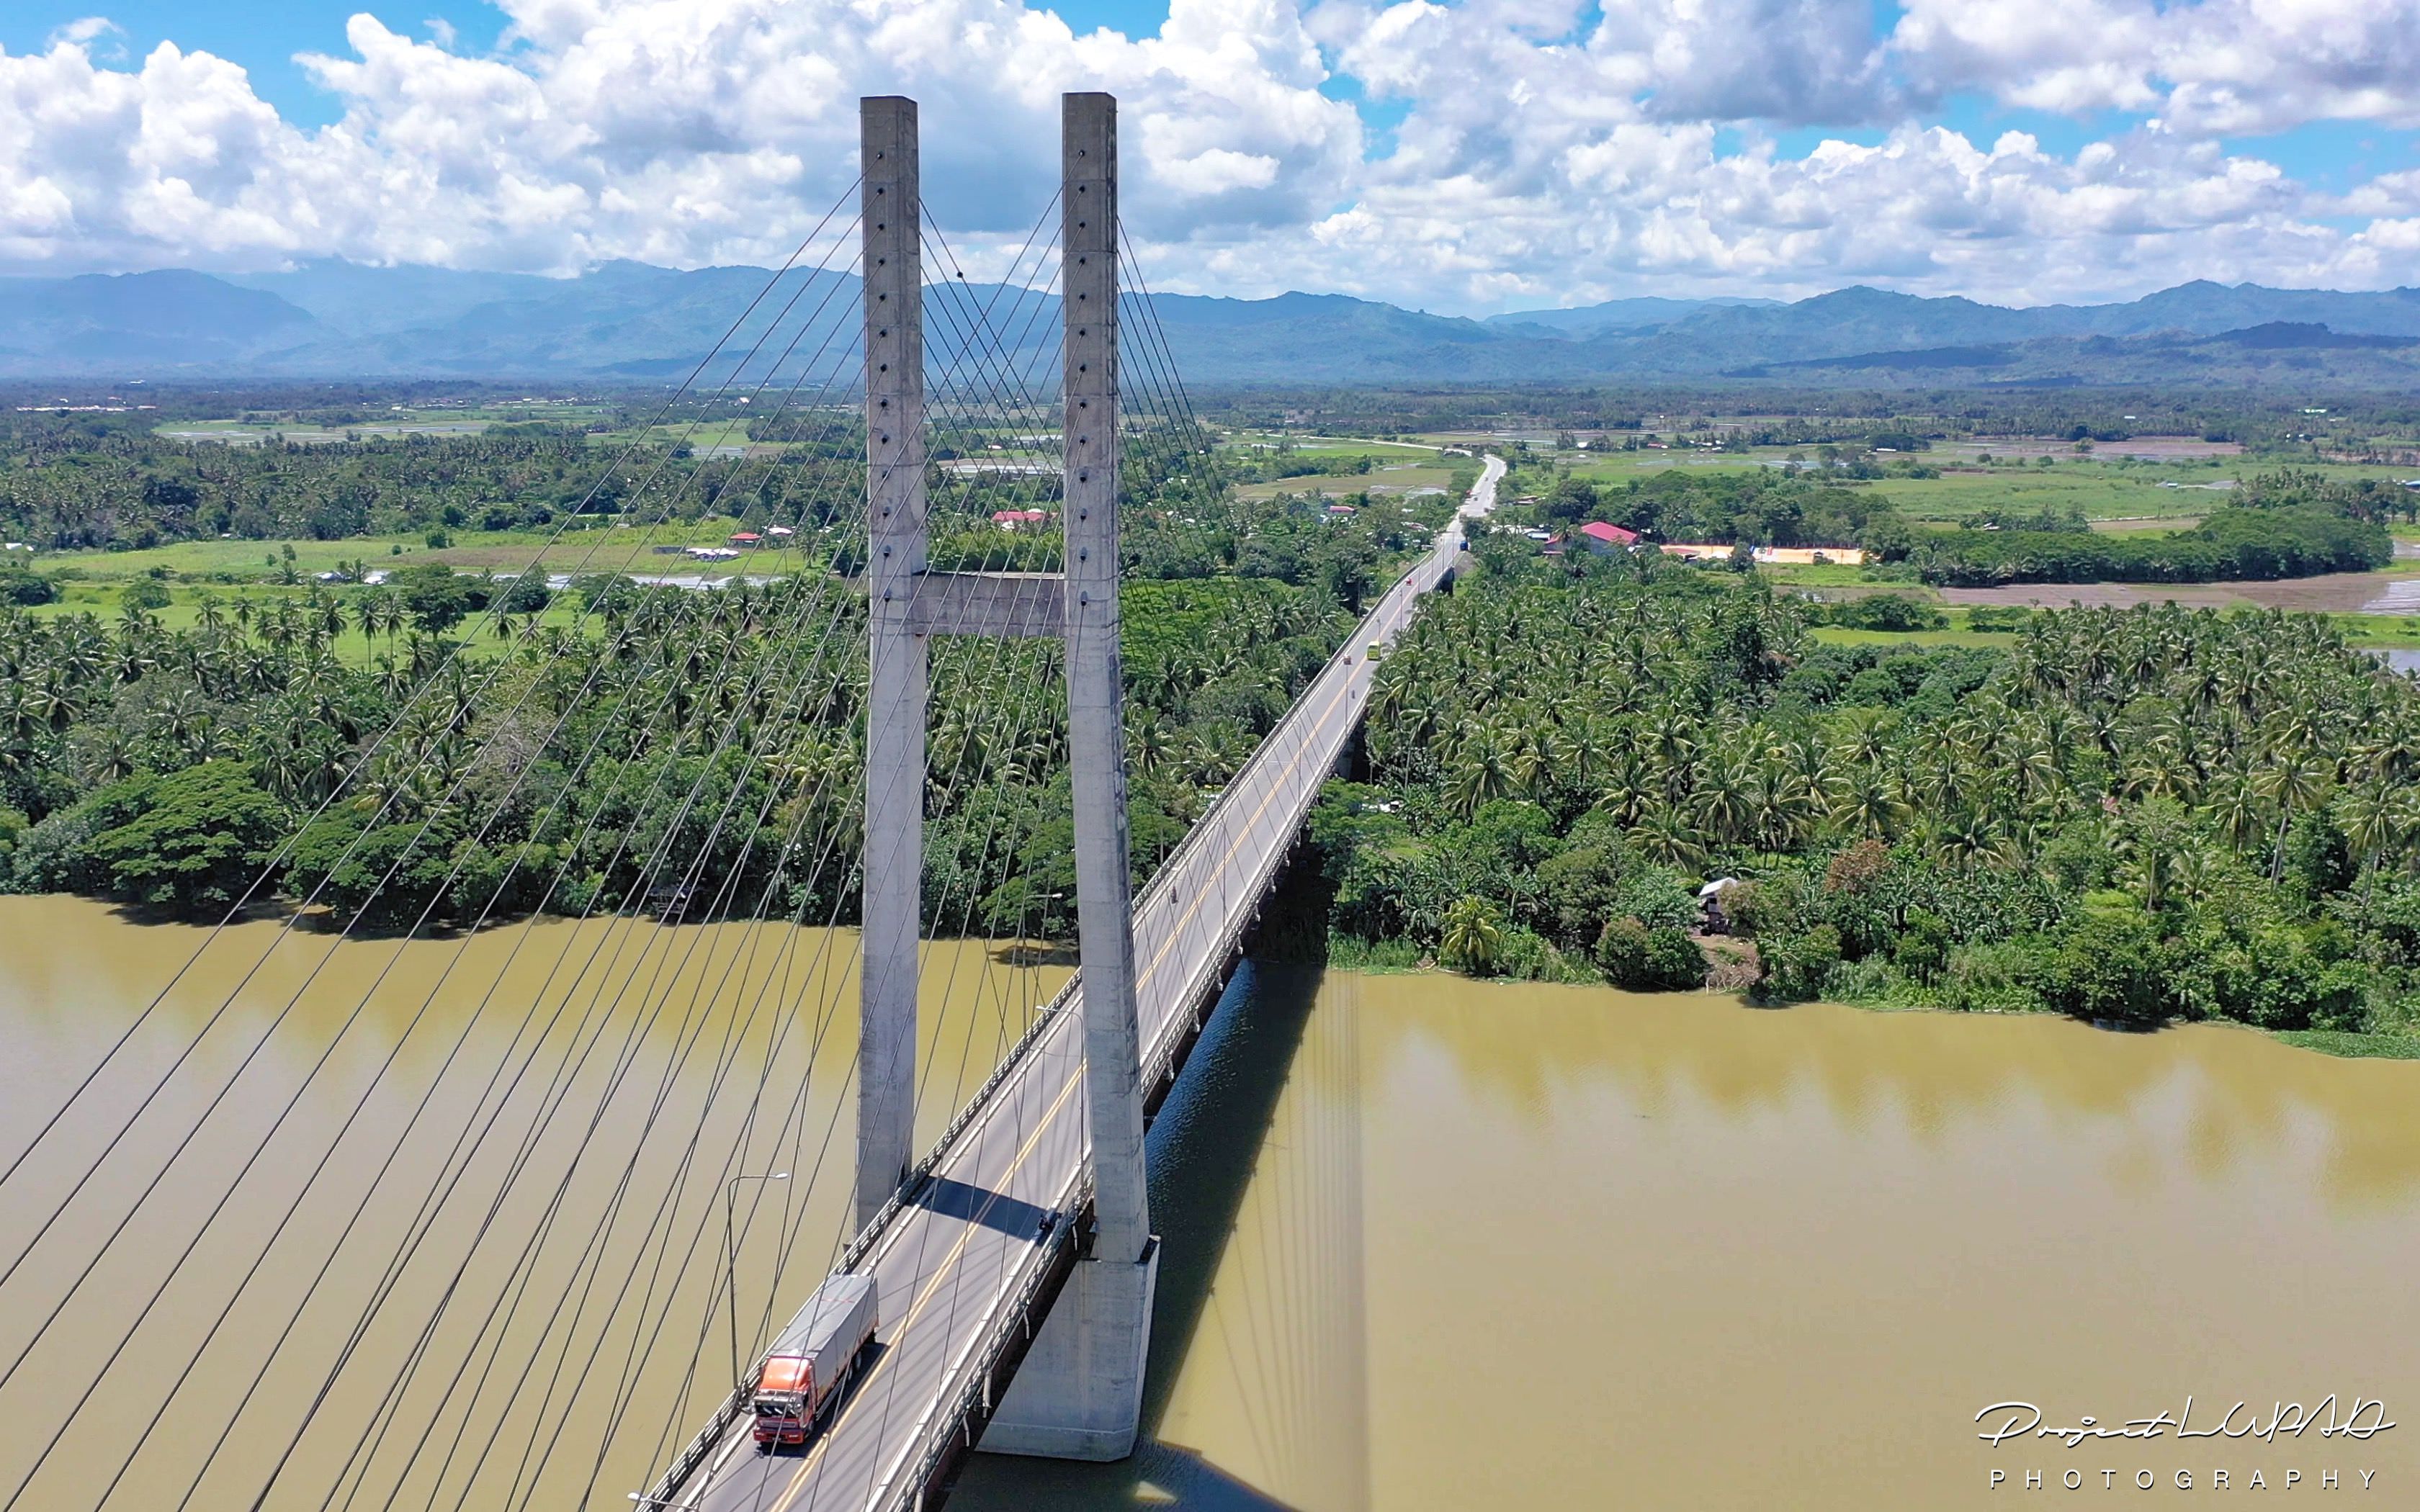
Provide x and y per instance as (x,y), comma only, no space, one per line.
(2122,815)
(664,734)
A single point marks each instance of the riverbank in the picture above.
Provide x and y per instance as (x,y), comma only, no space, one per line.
(1400,958)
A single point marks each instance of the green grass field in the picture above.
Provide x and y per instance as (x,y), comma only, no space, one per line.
(583,545)
(1396,478)
(2100,491)
(2112,492)
(706,438)
(104,600)
(398,420)
(2364,632)
(1255,443)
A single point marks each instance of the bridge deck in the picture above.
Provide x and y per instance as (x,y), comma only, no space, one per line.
(959,1268)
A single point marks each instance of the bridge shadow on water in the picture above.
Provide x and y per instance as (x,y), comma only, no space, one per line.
(1205,1147)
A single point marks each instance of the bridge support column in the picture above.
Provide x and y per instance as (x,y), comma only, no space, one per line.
(1096,736)
(1078,1393)
(896,685)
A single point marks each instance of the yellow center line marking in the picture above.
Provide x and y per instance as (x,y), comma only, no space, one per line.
(1176,931)
(941,1273)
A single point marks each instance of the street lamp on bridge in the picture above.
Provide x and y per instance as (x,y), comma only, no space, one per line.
(731,1256)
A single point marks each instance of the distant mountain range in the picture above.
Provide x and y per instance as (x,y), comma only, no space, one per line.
(632,321)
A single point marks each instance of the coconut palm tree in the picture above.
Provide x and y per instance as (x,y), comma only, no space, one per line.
(1665,835)
(1482,772)
(2372,817)
(1473,936)
(2290,782)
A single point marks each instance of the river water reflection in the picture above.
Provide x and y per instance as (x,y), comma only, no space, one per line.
(1437,1245)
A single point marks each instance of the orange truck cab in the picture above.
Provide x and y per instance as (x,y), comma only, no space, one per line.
(810,1359)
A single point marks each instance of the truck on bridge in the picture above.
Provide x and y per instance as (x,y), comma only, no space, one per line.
(807,1362)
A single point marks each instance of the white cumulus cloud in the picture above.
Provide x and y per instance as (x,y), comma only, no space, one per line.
(1527,151)
(2205,66)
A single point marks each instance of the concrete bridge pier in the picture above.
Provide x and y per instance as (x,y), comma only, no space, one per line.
(1078,1393)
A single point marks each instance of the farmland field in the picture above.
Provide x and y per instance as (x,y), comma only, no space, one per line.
(1381,479)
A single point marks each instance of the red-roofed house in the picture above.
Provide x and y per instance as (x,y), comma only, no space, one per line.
(746,538)
(1603,538)
(1017,519)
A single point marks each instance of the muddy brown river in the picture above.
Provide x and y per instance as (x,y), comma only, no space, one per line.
(1428,1243)
(490,1234)
(1511,1246)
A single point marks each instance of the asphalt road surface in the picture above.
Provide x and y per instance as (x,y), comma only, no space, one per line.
(949,1268)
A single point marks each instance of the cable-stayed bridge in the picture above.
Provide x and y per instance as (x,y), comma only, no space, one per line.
(973,1274)
(259,1264)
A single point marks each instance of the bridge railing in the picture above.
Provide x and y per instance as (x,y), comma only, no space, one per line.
(871,1234)
(965,1403)
(1037,1268)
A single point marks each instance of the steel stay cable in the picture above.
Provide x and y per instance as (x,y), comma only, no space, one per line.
(602,660)
(696,1240)
(482,919)
(1155,332)
(370,1190)
(835,1119)
(993,383)
(787,1249)
(1150,342)
(1007,374)
(468,1027)
(790,1228)
(891,1395)
(236,909)
(1266,751)
(228,1195)
(795,1114)
(625,1061)
(673,1189)
(247,1061)
(891,1392)
(545,1120)
(412,1362)
(674,1184)
(1159,332)
(1172,439)
(1137,302)
(967,344)
(950,985)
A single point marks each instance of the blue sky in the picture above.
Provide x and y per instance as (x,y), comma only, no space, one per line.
(263,39)
(1474,155)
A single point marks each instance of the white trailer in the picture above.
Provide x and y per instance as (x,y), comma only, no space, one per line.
(810,1359)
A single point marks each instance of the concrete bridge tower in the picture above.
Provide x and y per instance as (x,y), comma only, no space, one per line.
(1079,1392)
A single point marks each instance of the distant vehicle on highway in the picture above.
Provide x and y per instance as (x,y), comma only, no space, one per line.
(814,1355)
